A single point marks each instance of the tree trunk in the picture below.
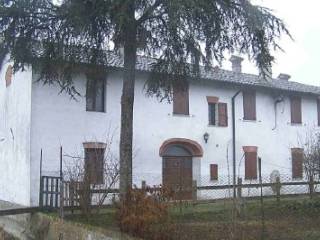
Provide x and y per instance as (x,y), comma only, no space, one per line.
(127,100)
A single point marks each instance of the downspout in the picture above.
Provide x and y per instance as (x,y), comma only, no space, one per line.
(234,142)
(276,102)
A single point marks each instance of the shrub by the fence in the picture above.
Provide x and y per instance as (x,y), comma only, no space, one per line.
(143,211)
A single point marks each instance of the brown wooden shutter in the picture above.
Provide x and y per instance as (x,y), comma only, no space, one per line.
(250,165)
(8,75)
(249,105)
(181,100)
(295,105)
(214,171)
(223,114)
(94,161)
(297,162)
(318,110)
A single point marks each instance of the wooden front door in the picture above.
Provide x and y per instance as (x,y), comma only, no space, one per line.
(177,175)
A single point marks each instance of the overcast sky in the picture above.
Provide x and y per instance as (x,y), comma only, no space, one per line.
(301,56)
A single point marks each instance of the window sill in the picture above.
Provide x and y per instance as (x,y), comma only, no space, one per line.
(216,126)
(92,111)
(249,120)
(297,178)
(181,115)
(296,124)
(214,180)
(251,179)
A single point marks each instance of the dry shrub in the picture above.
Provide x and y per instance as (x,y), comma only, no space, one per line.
(144,213)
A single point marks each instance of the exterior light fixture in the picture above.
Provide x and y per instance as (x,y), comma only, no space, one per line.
(206,137)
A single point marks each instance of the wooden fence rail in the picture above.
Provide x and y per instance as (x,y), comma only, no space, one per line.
(276,186)
(253,185)
(52,189)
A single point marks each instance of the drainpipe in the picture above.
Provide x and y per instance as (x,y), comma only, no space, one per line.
(234,143)
(277,101)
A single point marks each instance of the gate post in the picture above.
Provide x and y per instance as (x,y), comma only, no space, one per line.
(311,186)
(239,188)
(278,187)
(194,190)
(61,213)
(41,192)
(143,185)
(41,182)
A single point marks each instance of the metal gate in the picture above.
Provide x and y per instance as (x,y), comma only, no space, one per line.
(49,192)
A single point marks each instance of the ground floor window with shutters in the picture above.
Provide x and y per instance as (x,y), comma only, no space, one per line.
(250,154)
(94,162)
(297,162)
(217,112)
(213,172)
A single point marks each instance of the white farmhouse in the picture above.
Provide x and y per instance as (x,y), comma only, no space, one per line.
(193,134)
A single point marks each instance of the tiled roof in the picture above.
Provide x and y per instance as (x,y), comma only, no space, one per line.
(225,76)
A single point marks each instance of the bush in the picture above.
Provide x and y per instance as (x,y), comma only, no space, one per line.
(142,213)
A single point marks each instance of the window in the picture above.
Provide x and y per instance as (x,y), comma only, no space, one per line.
(95,95)
(212,113)
(213,171)
(249,105)
(250,154)
(218,112)
(295,105)
(94,163)
(297,160)
(181,100)
(318,110)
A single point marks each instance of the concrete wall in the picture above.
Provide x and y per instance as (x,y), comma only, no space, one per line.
(40,226)
(15,113)
(58,120)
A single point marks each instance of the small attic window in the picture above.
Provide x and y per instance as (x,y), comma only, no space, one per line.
(8,76)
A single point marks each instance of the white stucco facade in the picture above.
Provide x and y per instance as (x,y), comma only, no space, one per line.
(57,120)
(15,122)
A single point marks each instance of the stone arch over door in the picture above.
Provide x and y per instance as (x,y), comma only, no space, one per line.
(192,146)
(178,155)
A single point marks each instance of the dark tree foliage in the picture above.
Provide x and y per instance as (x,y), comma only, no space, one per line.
(58,38)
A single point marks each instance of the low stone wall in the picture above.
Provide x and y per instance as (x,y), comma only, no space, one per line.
(15,225)
(45,227)
(41,226)
(6,236)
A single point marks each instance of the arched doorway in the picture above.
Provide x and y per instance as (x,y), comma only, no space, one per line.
(177,165)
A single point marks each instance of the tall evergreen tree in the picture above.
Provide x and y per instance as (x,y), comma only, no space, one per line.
(56,38)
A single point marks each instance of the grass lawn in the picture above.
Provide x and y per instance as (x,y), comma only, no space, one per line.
(294,218)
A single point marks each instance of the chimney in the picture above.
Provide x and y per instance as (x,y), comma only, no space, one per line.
(283,76)
(236,63)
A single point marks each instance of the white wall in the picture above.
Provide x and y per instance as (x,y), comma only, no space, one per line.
(15,113)
(58,120)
